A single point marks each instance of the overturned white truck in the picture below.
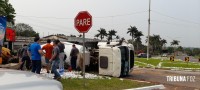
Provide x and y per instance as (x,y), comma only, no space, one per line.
(111,59)
(115,60)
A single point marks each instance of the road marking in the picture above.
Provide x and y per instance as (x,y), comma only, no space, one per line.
(154,87)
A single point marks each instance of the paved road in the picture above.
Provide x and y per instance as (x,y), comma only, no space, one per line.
(158,76)
(192,59)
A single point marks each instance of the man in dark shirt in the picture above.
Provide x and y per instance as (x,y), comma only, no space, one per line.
(25,57)
(74,53)
(61,56)
(55,60)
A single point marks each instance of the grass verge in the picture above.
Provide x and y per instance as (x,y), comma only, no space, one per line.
(142,62)
(101,84)
(183,65)
(151,61)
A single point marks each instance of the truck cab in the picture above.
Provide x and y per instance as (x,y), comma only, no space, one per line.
(115,60)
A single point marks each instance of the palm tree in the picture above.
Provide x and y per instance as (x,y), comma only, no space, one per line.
(117,37)
(102,33)
(138,41)
(110,34)
(155,42)
(132,31)
(135,34)
(138,34)
(175,43)
(163,42)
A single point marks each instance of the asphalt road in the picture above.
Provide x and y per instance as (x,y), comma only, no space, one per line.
(158,76)
(192,59)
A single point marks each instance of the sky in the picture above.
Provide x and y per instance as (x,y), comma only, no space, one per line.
(171,19)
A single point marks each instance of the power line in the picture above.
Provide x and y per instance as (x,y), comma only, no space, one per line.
(43,17)
(175,18)
(121,15)
(55,29)
(167,23)
(111,16)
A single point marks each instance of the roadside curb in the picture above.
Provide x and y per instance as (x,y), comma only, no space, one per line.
(154,87)
(172,69)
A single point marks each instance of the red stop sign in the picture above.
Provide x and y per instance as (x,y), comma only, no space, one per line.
(83,22)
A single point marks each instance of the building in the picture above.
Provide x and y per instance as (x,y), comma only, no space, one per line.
(20,41)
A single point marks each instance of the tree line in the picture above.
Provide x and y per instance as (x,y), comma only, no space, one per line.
(157,43)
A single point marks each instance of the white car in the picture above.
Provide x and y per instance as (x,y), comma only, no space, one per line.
(23,80)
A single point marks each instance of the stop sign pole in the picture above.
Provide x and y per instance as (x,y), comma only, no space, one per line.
(82,23)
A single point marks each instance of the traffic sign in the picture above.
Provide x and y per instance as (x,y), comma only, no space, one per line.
(83,22)
(171,58)
(187,59)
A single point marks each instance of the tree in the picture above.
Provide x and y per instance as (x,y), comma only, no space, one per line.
(170,49)
(110,34)
(188,51)
(156,43)
(132,31)
(102,33)
(180,48)
(136,36)
(175,42)
(25,30)
(97,35)
(138,42)
(71,35)
(163,43)
(117,37)
(7,10)
(196,51)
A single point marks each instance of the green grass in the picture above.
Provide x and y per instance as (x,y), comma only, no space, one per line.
(184,65)
(166,63)
(140,64)
(151,61)
(101,84)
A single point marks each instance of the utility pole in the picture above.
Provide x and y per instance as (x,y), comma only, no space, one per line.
(148,30)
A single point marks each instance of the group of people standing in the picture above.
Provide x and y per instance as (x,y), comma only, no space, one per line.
(54,57)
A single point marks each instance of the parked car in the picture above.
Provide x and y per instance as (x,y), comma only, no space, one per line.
(143,55)
(24,80)
(164,55)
